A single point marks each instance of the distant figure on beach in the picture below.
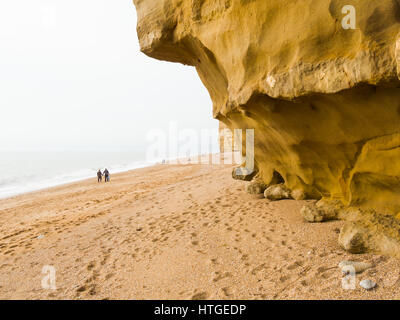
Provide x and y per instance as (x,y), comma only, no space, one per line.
(99,176)
(106,175)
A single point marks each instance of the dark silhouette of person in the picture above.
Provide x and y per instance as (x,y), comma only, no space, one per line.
(99,176)
(106,175)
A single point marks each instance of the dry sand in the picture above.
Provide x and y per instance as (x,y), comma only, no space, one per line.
(174,232)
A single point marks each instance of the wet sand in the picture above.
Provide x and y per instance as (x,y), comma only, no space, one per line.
(174,232)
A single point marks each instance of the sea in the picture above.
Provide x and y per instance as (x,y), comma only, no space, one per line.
(25,171)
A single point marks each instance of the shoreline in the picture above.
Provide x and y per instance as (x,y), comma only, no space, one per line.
(173,161)
(60,184)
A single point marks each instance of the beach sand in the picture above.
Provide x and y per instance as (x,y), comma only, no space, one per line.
(174,232)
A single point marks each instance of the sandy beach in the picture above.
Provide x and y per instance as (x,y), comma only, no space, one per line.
(174,232)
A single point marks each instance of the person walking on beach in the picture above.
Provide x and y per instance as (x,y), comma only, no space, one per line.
(99,176)
(106,175)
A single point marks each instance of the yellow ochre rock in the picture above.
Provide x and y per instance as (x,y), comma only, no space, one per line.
(324,100)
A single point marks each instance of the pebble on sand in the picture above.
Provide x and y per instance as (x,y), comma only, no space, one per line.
(277,192)
(367,284)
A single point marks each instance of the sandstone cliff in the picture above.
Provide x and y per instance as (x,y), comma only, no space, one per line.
(324,101)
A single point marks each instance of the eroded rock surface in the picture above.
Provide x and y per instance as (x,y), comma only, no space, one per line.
(324,101)
(322,211)
(368,231)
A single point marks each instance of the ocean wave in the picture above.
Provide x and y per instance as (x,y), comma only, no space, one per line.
(12,186)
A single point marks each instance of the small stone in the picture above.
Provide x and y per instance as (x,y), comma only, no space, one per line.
(359,267)
(353,238)
(311,214)
(277,192)
(323,210)
(256,186)
(243,173)
(368,284)
(40,237)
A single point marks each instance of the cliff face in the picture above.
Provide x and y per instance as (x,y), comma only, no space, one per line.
(323,100)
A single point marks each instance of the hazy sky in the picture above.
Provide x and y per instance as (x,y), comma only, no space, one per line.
(72,76)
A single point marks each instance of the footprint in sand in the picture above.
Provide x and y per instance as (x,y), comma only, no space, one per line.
(227,291)
(91,265)
(213,261)
(81,289)
(220,276)
(295,265)
(109,276)
(284,278)
(244,257)
(304,283)
(200,296)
